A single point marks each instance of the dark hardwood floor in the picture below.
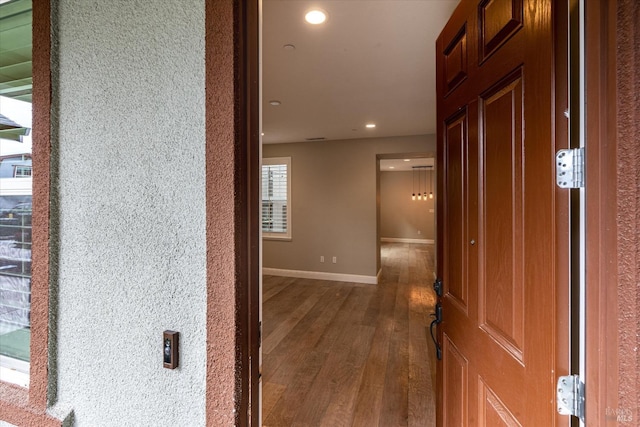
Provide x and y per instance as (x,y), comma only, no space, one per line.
(345,354)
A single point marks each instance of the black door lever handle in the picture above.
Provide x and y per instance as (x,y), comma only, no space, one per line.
(436,321)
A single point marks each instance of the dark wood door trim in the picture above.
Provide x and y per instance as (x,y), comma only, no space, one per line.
(600,146)
(232,203)
(613,241)
(252,207)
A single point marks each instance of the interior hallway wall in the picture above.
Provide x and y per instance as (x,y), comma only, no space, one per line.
(400,216)
(130,172)
(333,202)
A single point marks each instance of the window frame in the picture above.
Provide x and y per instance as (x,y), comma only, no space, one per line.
(276,235)
(18,405)
(18,171)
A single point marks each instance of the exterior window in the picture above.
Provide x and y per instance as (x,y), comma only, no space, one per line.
(15,190)
(22,172)
(276,198)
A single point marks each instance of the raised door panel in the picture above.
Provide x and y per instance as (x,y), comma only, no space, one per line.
(493,412)
(456,188)
(498,20)
(501,302)
(456,385)
(455,60)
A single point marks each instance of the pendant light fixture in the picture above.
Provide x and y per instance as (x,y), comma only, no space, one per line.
(422,194)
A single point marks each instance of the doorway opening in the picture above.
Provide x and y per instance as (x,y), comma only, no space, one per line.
(334,100)
(407,189)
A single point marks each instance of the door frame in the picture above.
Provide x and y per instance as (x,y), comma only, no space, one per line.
(606,259)
(232,159)
(612,168)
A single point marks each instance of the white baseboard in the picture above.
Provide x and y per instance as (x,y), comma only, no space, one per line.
(321,275)
(401,240)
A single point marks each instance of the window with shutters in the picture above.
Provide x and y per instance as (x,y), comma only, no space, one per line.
(276,197)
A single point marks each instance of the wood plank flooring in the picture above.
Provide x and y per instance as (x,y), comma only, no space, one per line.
(344,354)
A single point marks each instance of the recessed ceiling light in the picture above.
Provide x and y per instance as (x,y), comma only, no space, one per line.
(407,160)
(392,167)
(275,103)
(262,134)
(371,125)
(315,16)
(289,47)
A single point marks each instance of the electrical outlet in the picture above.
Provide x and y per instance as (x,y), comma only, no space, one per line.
(335,260)
(321,258)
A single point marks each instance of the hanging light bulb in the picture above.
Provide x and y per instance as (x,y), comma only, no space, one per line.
(431,185)
(413,184)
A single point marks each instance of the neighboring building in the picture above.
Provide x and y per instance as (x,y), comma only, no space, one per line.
(15,166)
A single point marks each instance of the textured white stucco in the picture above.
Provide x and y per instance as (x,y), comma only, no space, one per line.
(131,214)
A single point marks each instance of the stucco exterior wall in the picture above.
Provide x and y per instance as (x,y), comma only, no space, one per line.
(129,150)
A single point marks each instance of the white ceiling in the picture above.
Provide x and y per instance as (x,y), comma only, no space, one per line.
(371,61)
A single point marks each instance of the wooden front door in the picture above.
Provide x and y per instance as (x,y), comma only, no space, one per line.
(501,217)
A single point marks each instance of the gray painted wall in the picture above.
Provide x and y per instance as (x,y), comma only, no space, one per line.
(333,203)
(130,184)
(401,217)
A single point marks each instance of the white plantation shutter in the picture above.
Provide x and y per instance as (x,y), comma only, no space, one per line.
(276,191)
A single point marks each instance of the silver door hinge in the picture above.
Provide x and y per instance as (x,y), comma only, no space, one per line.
(570,168)
(571,397)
